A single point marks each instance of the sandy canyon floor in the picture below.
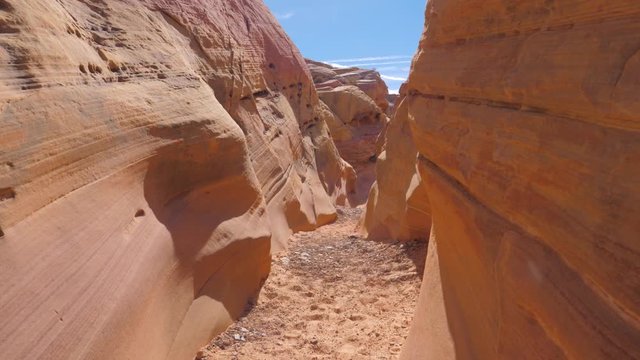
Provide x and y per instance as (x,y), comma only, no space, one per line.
(332,295)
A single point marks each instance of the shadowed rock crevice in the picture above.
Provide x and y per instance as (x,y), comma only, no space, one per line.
(7,194)
(5,6)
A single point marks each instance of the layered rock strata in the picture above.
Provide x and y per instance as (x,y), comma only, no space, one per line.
(153,153)
(525,119)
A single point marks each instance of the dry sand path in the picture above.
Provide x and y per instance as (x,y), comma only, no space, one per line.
(332,295)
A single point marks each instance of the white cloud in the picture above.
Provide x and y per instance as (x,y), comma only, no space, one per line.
(285,16)
(390,68)
(394,69)
(394,91)
(393,78)
(381,63)
(372,58)
(337,65)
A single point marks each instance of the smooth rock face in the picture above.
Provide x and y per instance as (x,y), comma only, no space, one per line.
(152,154)
(525,118)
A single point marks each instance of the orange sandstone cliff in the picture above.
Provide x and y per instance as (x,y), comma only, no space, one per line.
(525,119)
(153,152)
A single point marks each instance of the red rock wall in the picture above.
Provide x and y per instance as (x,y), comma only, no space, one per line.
(152,154)
(525,117)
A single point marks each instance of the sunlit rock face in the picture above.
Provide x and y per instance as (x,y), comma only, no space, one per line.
(356,100)
(152,154)
(525,118)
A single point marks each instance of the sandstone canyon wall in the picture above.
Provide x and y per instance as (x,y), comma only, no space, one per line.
(153,152)
(525,116)
(356,100)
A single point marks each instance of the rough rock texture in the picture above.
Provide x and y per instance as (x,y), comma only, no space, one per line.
(152,152)
(398,206)
(525,116)
(355,102)
(370,82)
(351,106)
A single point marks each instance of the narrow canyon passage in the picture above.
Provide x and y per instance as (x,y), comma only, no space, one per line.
(156,157)
(332,295)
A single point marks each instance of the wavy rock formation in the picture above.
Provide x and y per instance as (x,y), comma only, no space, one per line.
(356,101)
(152,153)
(525,118)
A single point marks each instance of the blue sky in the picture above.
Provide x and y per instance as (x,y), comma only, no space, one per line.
(380,34)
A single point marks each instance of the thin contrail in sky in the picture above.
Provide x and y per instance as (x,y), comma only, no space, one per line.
(393,78)
(381,63)
(373,58)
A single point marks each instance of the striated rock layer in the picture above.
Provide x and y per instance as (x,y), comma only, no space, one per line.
(525,118)
(153,152)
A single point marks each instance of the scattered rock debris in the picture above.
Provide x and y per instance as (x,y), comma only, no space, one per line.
(332,295)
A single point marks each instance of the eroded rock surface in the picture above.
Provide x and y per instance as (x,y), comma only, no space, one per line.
(356,101)
(525,118)
(369,81)
(152,153)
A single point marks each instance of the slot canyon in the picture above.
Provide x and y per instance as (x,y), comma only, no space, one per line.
(177,181)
